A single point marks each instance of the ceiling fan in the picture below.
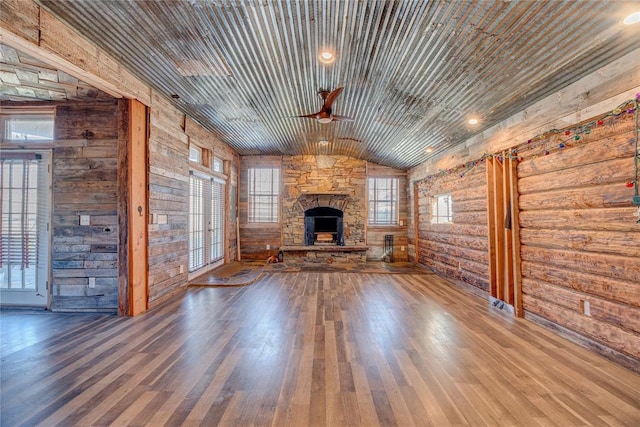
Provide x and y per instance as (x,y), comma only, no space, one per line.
(325,114)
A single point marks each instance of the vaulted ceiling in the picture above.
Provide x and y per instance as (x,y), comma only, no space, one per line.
(414,72)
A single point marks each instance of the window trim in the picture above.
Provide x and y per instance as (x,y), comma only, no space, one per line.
(395,202)
(436,218)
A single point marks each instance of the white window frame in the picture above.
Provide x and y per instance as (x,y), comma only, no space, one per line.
(378,205)
(442,209)
(217,165)
(195,154)
(263,194)
(8,115)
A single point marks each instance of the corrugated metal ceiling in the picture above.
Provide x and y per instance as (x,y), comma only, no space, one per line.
(413,71)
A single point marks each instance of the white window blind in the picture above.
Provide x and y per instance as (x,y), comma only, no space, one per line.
(23,216)
(263,194)
(216,251)
(196,222)
(383,201)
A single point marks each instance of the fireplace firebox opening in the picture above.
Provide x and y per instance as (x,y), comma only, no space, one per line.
(323,226)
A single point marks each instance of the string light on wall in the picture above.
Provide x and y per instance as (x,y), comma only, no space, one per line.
(541,145)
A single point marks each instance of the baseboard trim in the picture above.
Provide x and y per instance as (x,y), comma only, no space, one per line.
(621,359)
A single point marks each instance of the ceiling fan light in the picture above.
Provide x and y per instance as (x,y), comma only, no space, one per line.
(327,57)
(324,120)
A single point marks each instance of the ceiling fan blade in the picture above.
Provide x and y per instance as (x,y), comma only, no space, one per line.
(331,98)
(341,118)
(309,116)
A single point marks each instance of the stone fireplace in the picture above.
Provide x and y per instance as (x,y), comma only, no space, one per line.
(324,209)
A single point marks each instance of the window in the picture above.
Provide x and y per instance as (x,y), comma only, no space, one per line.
(441,209)
(28,126)
(24,227)
(195,154)
(196,222)
(217,165)
(263,194)
(383,201)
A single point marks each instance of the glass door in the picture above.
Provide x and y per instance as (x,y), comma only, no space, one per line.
(206,221)
(24,222)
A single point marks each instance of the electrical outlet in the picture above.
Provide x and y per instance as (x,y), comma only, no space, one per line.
(459,266)
(181,268)
(402,248)
(268,247)
(85,219)
(401,223)
(92,282)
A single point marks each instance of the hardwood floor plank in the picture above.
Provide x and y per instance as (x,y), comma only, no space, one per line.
(307,348)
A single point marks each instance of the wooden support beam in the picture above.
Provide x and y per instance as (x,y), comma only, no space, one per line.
(416,222)
(516,272)
(138,208)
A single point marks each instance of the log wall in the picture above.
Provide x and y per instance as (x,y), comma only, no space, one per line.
(579,239)
(85,182)
(376,234)
(459,250)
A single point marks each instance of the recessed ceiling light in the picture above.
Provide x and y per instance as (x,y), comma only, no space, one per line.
(323,142)
(327,57)
(634,18)
(428,150)
(473,121)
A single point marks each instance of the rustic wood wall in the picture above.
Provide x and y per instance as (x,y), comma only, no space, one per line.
(168,201)
(579,239)
(85,183)
(459,250)
(375,234)
(254,238)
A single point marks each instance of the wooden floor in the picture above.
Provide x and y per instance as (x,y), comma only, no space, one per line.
(307,348)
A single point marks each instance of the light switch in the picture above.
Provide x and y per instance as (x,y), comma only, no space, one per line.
(85,219)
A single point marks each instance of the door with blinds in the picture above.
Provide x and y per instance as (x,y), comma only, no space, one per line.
(24,222)
(206,221)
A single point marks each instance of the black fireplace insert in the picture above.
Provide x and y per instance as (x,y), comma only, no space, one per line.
(323,226)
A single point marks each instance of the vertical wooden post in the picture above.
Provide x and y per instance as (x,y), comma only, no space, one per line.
(491,227)
(138,208)
(508,243)
(515,237)
(416,228)
(123,207)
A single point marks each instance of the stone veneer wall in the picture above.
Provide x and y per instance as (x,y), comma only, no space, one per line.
(324,174)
